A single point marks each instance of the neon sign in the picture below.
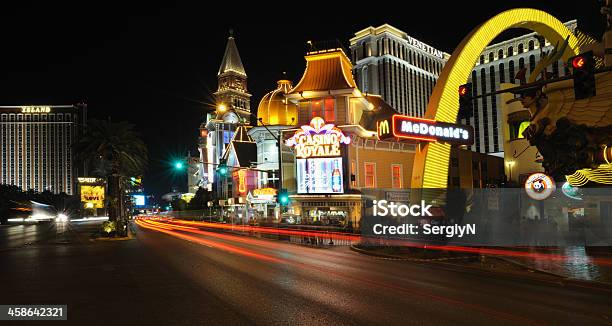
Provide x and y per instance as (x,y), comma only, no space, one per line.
(35,109)
(318,140)
(264,192)
(406,127)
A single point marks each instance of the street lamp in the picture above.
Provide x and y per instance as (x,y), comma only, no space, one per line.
(178,165)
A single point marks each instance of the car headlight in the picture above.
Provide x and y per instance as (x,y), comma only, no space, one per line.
(61,217)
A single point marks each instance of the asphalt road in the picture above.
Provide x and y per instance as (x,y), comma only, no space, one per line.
(182,278)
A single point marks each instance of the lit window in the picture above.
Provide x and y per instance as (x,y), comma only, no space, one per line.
(316,108)
(323,108)
(330,114)
(396,175)
(353,174)
(370,175)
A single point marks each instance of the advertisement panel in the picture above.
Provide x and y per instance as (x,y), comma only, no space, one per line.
(320,176)
(139,200)
(92,196)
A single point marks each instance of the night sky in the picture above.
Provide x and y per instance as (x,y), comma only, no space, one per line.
(156,66)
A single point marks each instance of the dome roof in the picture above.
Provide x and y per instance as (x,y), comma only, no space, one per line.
(274,109)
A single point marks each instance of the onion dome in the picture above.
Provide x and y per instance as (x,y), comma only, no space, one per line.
(274,109)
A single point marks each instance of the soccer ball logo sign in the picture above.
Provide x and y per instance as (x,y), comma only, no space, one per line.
(539,186)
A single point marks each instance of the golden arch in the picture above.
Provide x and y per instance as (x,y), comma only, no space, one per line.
(430,169)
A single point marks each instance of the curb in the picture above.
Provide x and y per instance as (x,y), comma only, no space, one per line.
(564,277)
(566,280)
(395,257)
(129,237)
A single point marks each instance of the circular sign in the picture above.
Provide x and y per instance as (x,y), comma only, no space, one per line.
(539,186)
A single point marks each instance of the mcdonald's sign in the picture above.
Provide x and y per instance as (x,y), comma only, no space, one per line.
(420,129)
(383,130)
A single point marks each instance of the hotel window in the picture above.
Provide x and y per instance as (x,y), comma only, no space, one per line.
(370,174)
(396,176)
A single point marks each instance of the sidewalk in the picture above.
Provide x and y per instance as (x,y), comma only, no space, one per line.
(568,263)
(578,265)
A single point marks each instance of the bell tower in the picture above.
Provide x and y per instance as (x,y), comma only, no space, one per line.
(232,82)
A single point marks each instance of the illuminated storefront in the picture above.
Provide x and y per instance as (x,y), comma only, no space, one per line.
(318,152)
(262,201)
(321,181)
(351,145)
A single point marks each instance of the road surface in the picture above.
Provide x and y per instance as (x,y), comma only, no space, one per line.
(184,277)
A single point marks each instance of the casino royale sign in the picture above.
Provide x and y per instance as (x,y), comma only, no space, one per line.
(317,140)
(406,127)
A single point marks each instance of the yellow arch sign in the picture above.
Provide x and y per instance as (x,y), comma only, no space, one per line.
(430,169)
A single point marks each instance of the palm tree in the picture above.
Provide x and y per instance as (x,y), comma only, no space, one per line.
(113,151)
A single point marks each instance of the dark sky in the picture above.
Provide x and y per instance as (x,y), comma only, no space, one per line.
(156,66)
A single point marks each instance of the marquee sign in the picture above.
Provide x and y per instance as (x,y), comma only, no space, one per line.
(35,109)
(317,140)
(406,127)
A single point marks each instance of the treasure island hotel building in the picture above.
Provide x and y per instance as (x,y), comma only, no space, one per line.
(36,146)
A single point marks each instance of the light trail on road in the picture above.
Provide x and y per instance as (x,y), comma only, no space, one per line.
(355,238)
(177,231)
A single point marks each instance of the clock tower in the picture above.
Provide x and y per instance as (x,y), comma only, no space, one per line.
(232,91)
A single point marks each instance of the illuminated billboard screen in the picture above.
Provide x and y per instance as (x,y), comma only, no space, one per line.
(139,200)
(92,196)
(320,176)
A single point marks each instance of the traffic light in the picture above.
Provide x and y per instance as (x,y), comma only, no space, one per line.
(283,197)
(583,66)
(222,168)
(465,101)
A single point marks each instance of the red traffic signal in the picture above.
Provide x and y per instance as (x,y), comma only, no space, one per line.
(584,75)
(465,101)
(578,62)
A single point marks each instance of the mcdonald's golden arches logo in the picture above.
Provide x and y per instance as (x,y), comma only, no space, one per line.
(382,127)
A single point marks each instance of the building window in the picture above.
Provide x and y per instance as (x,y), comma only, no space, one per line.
(511,71)
(491,58)
(510,51)
(323,108)
(370,174)
(500,54)
(532,63)
(330,107)
(353,174)
(530,45)
(396,176)
(520,48)
(502,73)
(364,79)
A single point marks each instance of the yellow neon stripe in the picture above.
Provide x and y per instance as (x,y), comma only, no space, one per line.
(443,103)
